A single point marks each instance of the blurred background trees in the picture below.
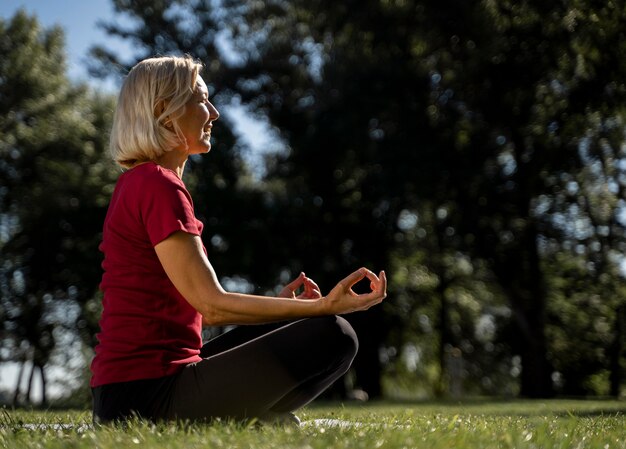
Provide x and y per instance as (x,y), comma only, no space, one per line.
(54,191)
(474,151)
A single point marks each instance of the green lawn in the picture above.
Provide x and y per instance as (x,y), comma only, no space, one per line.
(480,424)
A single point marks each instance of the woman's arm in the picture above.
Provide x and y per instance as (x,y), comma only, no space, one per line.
(190,271)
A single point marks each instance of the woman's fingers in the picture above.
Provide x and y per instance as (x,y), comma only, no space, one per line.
(297,282)
(380,283)
(374,280)
(289,290)
(342,299)
(361,273)
(311,289)
(383,278)
(349,281)
(345,298)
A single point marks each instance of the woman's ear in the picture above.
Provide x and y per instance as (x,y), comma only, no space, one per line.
(159,108)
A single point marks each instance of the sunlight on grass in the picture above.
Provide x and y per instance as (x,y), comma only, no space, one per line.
(518,424)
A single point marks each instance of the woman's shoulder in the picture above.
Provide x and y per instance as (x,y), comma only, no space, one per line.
(152,174)
(147,183)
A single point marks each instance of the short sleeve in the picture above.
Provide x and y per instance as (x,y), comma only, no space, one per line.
(167,207)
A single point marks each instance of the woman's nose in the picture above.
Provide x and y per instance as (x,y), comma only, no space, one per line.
(213,112)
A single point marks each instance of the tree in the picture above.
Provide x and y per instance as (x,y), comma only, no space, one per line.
(484,104)
(473,112)
(588,263)
(53,197)
(523,92)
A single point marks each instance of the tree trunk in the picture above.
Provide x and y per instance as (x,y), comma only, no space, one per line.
(536,375)
(442,389)
(367,369)
(615,353)
(16,393)
(29,390)
(445,336)
(44,397)
(520,274)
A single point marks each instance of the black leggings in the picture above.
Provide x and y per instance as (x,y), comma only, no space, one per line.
(251,371)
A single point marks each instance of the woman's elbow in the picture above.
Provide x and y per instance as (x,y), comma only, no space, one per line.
(213,314)
(214,318)
(209,307)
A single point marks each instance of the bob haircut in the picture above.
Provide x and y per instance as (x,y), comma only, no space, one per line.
(151,99)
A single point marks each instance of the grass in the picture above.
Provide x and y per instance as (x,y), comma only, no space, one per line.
(482,425)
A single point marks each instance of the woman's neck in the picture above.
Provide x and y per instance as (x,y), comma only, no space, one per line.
(173,160)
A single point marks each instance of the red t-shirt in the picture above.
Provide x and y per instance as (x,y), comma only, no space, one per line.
(147,328)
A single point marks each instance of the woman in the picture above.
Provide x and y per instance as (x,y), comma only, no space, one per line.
(160,288)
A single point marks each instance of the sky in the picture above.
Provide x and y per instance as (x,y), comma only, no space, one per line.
(79,19)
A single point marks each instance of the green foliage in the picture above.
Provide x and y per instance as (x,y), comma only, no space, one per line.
(482,113)
(473,149)
(467,147)
(455,328)
(55,187)
(547,425)
(578,301)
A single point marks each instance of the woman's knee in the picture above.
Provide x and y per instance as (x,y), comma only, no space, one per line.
(338,336)
(350,335)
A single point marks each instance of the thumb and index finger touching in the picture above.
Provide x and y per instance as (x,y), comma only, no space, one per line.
(310,289)
(378,283)
(296,283)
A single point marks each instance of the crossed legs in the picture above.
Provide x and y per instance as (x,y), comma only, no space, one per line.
(255,371)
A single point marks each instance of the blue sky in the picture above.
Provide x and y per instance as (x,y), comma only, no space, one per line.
(79,20)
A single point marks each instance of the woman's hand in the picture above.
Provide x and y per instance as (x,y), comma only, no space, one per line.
(342,299)
(310,289)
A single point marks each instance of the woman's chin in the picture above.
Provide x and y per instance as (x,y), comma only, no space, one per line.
(201,149)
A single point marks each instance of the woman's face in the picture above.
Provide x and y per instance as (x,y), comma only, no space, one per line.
(197,120)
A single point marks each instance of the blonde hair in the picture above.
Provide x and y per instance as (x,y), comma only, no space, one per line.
(151,99)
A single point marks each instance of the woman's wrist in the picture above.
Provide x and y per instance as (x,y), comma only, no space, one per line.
(321,307)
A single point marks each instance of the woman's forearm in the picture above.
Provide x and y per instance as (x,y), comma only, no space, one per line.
(237,308)
(190,271)
(242,309)
(193,276)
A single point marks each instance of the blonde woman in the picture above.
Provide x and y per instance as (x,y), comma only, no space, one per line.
(160,288)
